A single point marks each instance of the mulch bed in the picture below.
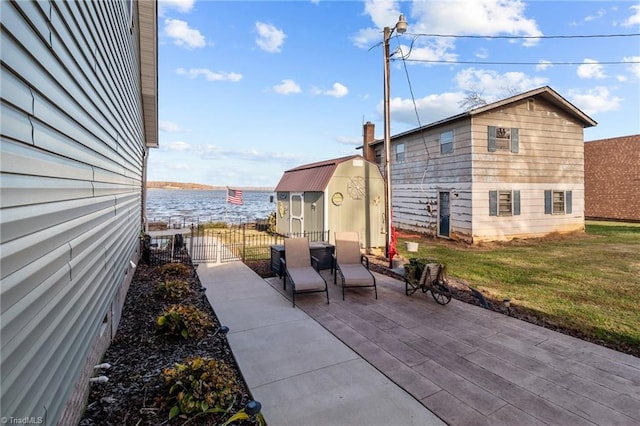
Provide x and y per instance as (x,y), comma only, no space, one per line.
(136,393)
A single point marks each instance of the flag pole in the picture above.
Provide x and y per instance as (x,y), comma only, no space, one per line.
(226,204)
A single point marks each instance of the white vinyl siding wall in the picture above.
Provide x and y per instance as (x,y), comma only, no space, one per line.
(73,148)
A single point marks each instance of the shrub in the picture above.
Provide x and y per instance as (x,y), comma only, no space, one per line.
(186,321)
(175,270)
(200,386)
(173,289)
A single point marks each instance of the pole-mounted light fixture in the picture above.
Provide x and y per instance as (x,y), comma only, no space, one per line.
(401,27)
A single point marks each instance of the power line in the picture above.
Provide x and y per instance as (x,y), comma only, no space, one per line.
(518,63)
(528,37)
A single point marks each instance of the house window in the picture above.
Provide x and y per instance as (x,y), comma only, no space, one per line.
(379,157)
(503,139)
(446,142)
(504,203)
(558,202)
(400,152)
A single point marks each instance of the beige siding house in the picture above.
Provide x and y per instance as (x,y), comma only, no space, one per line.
(79,113)
(510,169)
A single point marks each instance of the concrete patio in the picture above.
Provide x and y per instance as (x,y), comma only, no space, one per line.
(465,364)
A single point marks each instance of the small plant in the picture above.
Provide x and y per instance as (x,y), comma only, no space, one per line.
(200,386)
(175,270)
(173,289)
(186,321)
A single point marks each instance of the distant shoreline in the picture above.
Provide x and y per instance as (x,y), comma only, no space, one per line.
(200,187)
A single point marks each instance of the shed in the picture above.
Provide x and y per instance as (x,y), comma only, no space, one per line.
(343,194)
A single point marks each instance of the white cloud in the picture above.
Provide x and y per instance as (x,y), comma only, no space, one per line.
(468,17)
(182,6)
(430,108)
(591,69)
(543,65)
(169,127)
(621,78)
(633,68)
(482,53)
(347,140)
(474,17)
(209,75)
(595,100)
(634,19)
(494,85)
(182,35)
(599,14)
(337,91)
(177,146)
(270,38)
(287,87)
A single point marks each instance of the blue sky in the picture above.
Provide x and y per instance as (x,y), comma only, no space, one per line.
(250,89)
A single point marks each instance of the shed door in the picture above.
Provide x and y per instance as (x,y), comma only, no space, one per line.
(296,218)
(444,213)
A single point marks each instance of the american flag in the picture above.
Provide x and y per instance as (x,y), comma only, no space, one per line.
(234,196)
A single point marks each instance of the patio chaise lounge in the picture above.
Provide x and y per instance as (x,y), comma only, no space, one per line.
(301,269)
(351,264)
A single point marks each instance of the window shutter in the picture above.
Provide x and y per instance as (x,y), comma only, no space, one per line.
(547,201)
(514,140)
(568,202)
(493,203)
(491,138)
(516,203)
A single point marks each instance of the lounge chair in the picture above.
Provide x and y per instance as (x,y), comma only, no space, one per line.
(301,269)
(351,264)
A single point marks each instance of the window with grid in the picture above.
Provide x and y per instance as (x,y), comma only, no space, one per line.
(446,142)
(504,203)
(400,152)
(558,202)
(503,139)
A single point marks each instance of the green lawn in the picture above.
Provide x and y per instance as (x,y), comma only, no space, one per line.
(589,283)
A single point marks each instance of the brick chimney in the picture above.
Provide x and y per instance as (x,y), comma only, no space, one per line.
(369,136)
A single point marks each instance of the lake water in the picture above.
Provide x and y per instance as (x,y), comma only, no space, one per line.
(186,207)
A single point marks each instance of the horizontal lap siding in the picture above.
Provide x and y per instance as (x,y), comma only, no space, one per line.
(424,172)
(550,157)
(72,165)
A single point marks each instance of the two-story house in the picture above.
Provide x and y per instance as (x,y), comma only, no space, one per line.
(510,169)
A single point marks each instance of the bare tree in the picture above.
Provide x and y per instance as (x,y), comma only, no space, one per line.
(473,98)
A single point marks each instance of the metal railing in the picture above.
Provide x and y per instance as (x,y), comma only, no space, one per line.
(201,244)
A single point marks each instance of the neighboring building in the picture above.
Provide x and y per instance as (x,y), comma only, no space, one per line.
(510,169)
(612,178)
(79,113)
(342,194)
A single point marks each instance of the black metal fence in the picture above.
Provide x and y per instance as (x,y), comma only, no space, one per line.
(201,244)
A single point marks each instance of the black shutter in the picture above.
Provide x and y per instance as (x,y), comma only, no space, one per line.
(548,208)
(516,203)
(493,203)
(568,202)
(491,138)
(515,140)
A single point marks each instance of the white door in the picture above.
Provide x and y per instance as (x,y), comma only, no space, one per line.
(296,224)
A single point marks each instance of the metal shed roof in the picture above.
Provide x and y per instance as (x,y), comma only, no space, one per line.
(311,177)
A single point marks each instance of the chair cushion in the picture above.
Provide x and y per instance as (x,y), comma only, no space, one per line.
(297,253)
(356,275)
(306,279)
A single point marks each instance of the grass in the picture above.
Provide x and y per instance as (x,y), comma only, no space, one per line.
(589,283)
